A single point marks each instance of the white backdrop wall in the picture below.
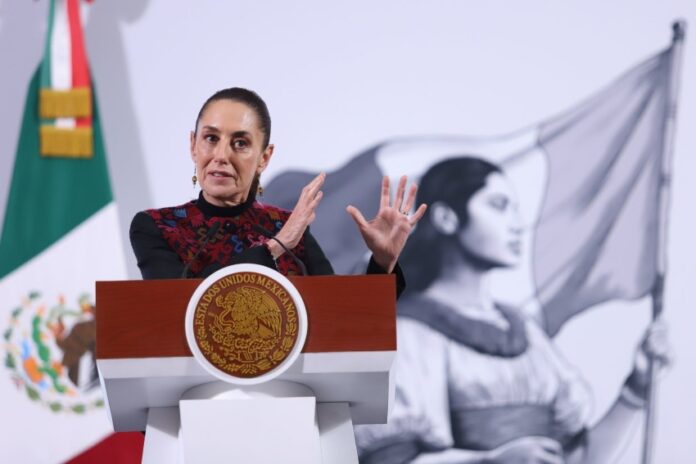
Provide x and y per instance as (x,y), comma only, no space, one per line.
(341,76)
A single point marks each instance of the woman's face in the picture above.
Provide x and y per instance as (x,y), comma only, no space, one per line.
(494,231)
(228,151)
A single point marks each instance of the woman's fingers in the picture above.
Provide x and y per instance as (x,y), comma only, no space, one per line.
(384,197)
(304,212)
(311,195)
(402,202)
(311,189)
(531,449)
(410,199)
(357,216)
(656,343)
(315,202)
(400,190)
(551,451)
(311,211)
(655,346)
(418,214)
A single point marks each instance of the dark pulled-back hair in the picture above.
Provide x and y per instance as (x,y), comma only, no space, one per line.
(250,99)
(453,182)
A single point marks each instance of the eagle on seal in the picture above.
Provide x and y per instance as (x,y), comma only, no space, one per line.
(249,312)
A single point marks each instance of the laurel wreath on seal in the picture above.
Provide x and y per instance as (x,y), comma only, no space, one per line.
(12,362)
(259,366)
(240,351)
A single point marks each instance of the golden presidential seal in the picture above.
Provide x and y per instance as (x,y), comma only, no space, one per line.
(245,324)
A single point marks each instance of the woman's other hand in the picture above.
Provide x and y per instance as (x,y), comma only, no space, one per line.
(527,450)
(386,234)
(654,347)
(302,216)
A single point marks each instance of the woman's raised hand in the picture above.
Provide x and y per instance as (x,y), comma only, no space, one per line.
(654,346)
(386,234)
(303,214)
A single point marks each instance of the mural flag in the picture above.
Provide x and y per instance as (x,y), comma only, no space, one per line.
(596,238)
(60,233)
(588,182)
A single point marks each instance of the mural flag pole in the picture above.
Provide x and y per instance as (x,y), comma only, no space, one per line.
(678,36)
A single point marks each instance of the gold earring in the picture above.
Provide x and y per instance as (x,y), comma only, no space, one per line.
(194,179)
(257,181)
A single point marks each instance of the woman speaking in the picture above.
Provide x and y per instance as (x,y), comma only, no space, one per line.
(227,225)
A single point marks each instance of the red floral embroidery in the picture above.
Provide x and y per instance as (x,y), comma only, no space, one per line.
(184,228)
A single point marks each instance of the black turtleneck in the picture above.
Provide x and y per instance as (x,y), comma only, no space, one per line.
(210,210)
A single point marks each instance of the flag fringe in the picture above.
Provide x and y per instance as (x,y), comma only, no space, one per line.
(66,143)
(73,103)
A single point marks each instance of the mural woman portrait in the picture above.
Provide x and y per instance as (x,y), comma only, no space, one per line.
(476,381)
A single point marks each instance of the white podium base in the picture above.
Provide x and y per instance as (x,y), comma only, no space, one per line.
(277,421)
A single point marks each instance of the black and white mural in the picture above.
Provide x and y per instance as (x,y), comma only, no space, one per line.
(574,211)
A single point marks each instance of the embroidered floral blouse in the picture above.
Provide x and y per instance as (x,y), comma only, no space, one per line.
(166,240)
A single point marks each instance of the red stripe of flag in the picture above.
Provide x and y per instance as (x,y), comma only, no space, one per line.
(117,448)
(80,70)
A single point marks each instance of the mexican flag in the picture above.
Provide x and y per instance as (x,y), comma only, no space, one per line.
(60,234)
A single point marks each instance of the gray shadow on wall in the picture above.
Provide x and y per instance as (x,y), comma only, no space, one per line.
(22,30)
(109,64)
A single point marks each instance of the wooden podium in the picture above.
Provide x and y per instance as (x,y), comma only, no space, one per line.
(147,371)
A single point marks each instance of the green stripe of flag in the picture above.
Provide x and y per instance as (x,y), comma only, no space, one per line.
(46,63)
(49,196)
